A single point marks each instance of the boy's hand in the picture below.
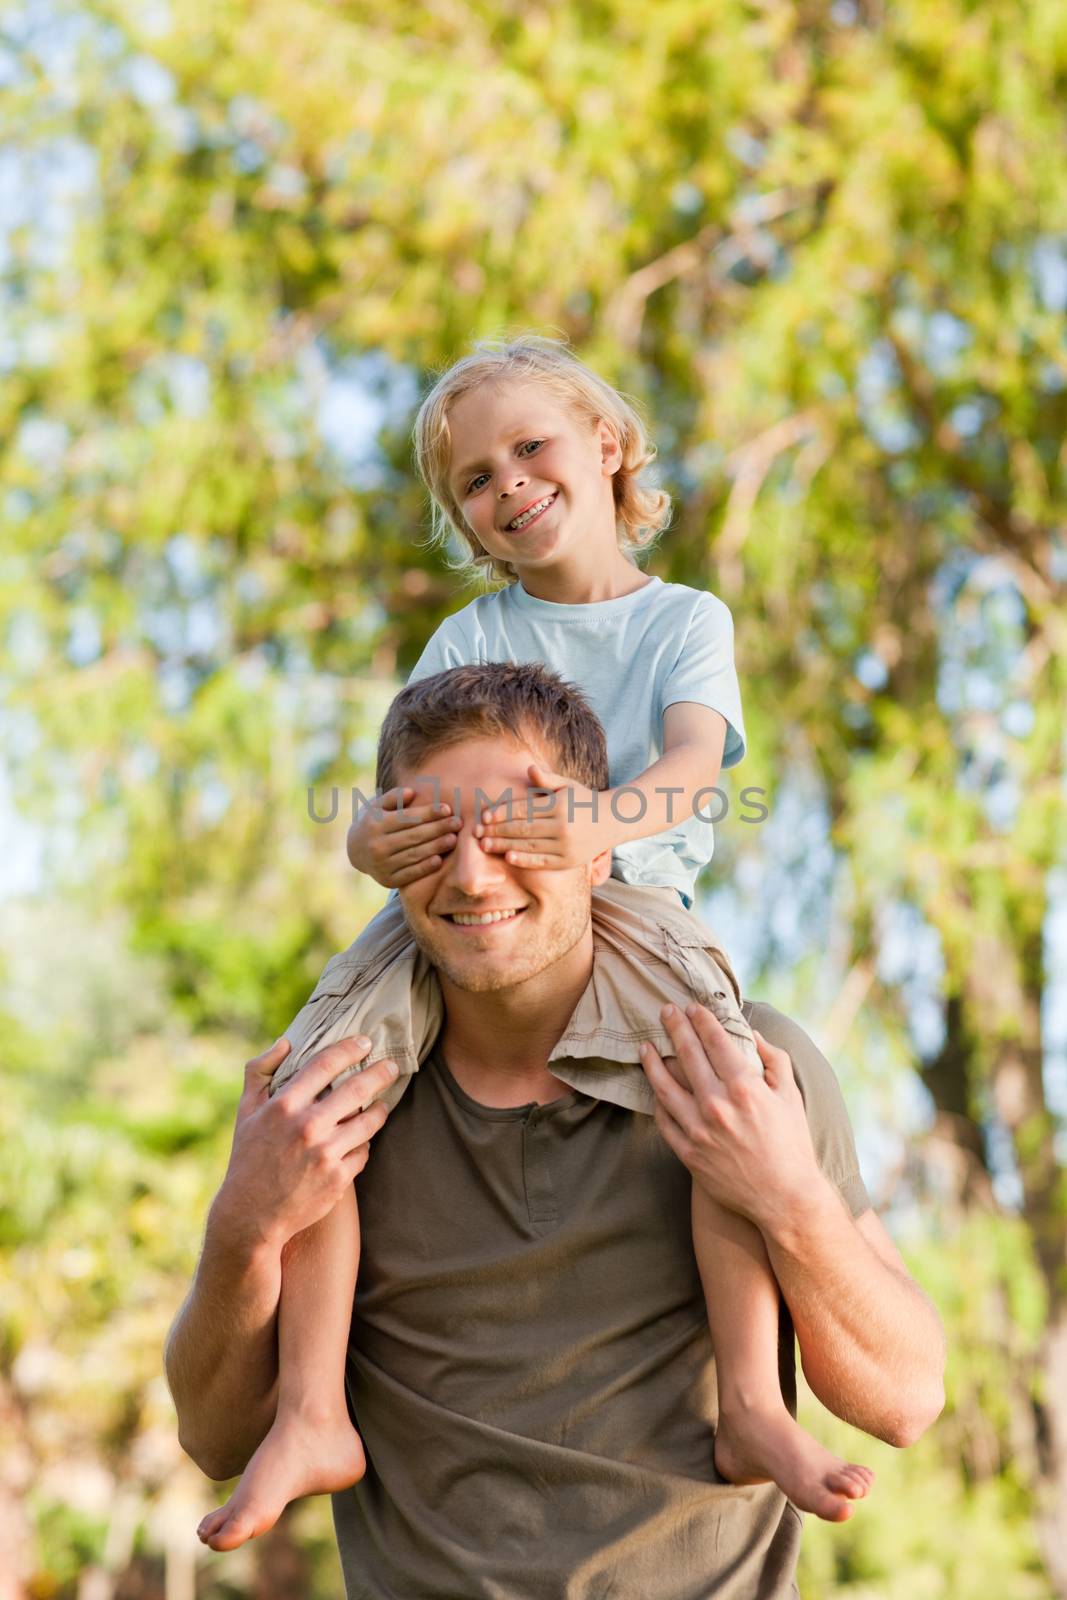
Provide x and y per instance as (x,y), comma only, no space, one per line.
(396,843)
(565,825)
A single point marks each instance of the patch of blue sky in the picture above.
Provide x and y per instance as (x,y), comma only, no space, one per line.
(189,383)
(354,398)
(148,81)
(211,797)
(871,670)
(945,337)
(911,958)
(1058,557)
(1001,801)
(1007,1185)
(22,859)
(57,37)
(1054,996)
(1048,267)
(84,639)
(1017,718)
(746,147)
(32,343)
(42,441)
(970,416)
(982,635)
(42,187)
(686,198)
(175,683)
(287,181)
(939,338)
(12,73)
(256,132)
(27,643)
(207,629)
(792,845)
(317,753)
(171,383)
(876,385)
(185,561)
(17,504)
(155,18)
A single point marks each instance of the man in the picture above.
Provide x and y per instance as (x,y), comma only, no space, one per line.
(529,1363)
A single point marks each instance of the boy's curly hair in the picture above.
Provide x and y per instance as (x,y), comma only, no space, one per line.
(642,511)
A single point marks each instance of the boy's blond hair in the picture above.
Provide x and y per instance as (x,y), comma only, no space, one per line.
(641,510)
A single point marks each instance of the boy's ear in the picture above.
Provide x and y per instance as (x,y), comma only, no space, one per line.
(610,448)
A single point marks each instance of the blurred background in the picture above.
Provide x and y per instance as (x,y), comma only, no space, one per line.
(825,247)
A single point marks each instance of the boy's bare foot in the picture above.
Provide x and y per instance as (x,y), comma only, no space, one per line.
(756,1446)
(300,1455)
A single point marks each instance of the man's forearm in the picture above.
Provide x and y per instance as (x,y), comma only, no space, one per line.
(871,1343)
(221,1355)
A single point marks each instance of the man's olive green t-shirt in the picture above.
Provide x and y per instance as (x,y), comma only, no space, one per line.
(530,1365)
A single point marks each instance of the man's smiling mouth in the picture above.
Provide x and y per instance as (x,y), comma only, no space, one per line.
(482,919)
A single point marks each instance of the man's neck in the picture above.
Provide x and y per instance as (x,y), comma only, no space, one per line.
(496,1044)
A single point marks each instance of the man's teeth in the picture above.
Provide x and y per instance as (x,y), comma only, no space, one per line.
(520,522)
(468,921)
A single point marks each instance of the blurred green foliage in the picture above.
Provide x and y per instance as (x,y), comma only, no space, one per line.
(826,248)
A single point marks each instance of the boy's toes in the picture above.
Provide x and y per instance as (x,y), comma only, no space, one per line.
(851,1480)
(836,1504)
(235,1529)
(211,1523)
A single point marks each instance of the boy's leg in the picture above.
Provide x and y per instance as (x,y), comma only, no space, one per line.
(312,1447)
(756,1438)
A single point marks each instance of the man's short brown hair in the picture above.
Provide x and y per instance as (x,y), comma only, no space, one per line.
(523,701)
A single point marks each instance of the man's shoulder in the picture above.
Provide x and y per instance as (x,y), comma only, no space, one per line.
(824,1103)
(780,1029)
(813,1071)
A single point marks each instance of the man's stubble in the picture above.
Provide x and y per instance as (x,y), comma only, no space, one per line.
(554,938)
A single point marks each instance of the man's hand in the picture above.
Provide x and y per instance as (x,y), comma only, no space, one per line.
(295,1154)
(396,844)
(563,825)
(744,1138)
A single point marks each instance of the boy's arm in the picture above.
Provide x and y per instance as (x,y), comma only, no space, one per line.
(694,738)
(666,793)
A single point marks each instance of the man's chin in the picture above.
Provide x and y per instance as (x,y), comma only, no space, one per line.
(473,980)
(483,971)
(476,973)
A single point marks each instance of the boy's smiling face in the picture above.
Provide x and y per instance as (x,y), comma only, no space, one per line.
(515,445)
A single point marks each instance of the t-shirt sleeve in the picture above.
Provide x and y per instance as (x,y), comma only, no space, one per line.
(704,672)
(831,1131)
(444,649)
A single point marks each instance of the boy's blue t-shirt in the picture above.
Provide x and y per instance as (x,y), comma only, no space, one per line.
(632,658)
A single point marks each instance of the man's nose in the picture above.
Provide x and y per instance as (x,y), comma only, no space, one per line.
(468,867)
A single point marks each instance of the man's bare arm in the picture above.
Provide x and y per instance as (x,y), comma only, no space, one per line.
(221,1355)
(293,1157)
(871,1344)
